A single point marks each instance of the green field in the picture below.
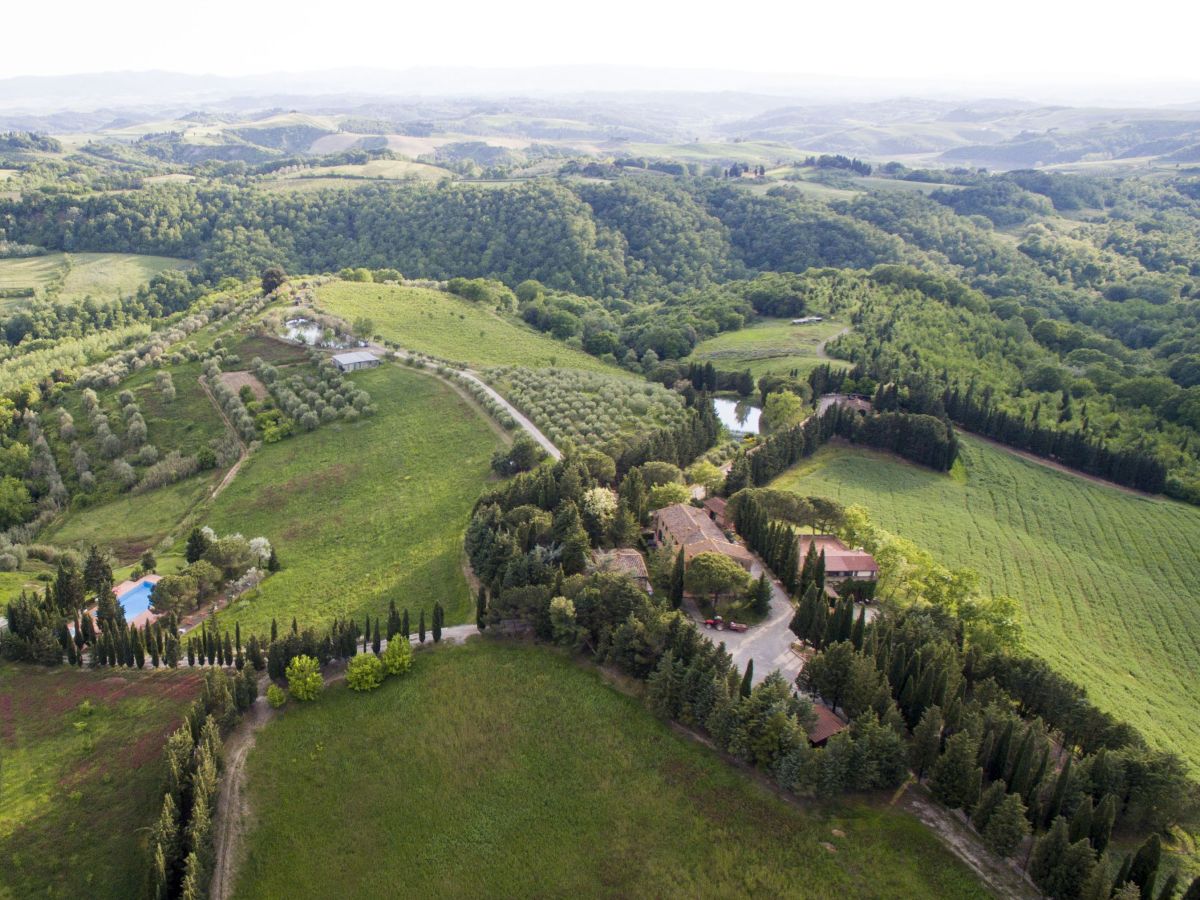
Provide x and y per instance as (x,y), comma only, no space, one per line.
(131,523)
(508,771)
(101,276)
(368,512)
(773,345)
(386,169)
(80,786)
(1109,581)
(449,327)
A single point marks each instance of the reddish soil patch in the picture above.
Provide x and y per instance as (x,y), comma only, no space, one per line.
(235,381)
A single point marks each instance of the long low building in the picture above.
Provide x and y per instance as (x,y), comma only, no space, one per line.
(840,561)
(357,359)
(690,529)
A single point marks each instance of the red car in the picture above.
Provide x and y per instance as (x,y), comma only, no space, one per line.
(720,624)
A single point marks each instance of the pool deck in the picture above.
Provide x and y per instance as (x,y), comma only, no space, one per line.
(146,616)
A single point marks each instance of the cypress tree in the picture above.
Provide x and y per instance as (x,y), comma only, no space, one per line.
(762,596)
(1145,865)
(481,608)
(955,779)
(1170,885)
(1018,779)
(237,637)
(191,653)
(228,650)
(437,622)
(926,742)
(393,620)
(376,643)
(1054,803)
(1102,823)
(1048,851)
(405,629)
(1123,872)
(421,627)
(366,632)
(677,580)
(1006,827)
(295,630)
(748,679)
(274,631)
(1081,821)
(987,805)
(139,648)
(860,629)
(997,765)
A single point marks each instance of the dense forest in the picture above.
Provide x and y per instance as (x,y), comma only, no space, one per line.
(1065,304)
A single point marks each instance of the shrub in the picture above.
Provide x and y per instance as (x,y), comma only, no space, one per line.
(397,656)
(304,678)
(365,673)
(276,696)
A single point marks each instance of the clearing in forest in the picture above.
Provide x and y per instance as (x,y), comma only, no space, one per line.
(774,345)
(73,276)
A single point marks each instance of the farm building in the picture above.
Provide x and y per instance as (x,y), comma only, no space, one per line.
(683,526)
(827,725)
(840,561)
(625,561)
(359,359)
(715,507)
(807,320)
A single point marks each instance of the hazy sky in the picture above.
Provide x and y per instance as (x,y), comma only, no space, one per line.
(1018,40)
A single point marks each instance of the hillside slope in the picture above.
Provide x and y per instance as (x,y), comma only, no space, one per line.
(1108,580)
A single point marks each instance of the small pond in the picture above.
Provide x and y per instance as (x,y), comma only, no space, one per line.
(311,333)
(739,416)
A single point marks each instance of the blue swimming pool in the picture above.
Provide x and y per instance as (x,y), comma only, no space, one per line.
(136,600)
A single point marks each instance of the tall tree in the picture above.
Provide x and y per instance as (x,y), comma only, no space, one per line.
(677,580)
(926,742)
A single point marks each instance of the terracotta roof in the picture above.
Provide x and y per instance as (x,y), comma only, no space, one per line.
(626,560)
(827,725)
(838,557)
(693,531)
(715,504)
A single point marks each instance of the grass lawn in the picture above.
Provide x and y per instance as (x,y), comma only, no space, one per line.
(103,276)
(81,787)
(1109,581)
(367,512)
(774,345)
(447,326)
(132,522)
(508,771)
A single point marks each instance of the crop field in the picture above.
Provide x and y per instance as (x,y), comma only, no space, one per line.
(443,325)
(73,276)
(366,512)
(774,345)
(587,408)
(1109,581)
(500,770)
(82,776)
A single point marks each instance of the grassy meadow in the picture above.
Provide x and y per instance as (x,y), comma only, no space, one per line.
(449,327)
(508,771)
(774,345)
(82,776)
(1108,580)
(367,512)
(73,276)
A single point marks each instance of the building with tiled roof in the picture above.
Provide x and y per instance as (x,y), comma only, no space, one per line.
(840,561)
(690,529)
